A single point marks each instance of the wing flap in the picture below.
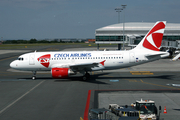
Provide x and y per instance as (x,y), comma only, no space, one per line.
(83,66)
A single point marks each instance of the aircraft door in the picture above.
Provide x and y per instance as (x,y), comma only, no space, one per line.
(32,59)
(132,58)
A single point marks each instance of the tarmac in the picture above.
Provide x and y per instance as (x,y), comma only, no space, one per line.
(51,99)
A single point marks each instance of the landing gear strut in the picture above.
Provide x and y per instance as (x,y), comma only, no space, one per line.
(34,75)
(86,76)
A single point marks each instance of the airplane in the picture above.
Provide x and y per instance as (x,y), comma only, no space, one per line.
(64,64)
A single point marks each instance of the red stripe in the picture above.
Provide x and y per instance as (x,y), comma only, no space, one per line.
(86,112)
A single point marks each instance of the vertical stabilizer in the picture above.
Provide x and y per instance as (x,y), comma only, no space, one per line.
(152,40)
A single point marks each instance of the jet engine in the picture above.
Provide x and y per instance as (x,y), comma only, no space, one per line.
(61,72)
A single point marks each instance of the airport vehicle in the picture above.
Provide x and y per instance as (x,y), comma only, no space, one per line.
(64,64)
(146,108)
(143,109)
(124,111)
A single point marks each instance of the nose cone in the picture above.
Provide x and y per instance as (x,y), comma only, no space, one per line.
(13,65)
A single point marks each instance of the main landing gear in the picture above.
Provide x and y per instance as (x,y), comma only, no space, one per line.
(34,75)
(86,76)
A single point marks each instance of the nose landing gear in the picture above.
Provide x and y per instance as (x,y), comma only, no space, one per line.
(34,75)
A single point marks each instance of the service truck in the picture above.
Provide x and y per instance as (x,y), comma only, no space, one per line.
(146,108)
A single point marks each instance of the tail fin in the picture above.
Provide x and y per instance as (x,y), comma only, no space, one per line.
(153,39)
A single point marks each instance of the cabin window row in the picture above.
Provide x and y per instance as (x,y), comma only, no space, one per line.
(86,58)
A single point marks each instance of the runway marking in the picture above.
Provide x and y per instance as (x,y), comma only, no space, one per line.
(147,73)
(131,80)
(136,73)
(21,97)
(114,80)
(141,73)
(159,85)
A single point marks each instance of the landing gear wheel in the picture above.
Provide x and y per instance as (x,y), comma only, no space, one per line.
(33,77)
(86,77)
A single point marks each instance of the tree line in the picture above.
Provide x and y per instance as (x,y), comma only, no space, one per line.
(32,41)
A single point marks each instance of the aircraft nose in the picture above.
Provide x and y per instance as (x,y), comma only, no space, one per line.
(13,64)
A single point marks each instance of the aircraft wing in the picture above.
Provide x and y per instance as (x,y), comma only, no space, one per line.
(81,66)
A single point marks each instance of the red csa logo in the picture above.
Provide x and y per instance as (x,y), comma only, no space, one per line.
(154,37)
(102,63)
(44,60)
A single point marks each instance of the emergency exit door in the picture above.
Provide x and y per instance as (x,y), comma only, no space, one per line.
(132,58)
(32,59)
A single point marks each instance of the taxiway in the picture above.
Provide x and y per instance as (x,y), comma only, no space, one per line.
(51,99)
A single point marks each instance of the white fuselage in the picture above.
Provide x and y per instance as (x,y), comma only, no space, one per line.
(112,59)
(63,64)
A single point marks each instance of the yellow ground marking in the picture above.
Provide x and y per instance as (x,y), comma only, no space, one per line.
(131,80)
(144,71)
(152,84)
(141,73)
(159,85)
(136,73)
(81,118)
(147,74)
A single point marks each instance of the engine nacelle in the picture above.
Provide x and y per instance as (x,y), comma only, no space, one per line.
(61,72)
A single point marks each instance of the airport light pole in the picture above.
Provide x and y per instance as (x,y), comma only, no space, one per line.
(123,6)
(118,10)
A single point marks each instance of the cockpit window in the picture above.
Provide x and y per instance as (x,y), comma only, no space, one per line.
(20,58)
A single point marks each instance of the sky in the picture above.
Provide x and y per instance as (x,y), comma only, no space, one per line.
(53,19)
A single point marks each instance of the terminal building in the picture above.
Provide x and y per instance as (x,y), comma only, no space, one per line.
(134,32)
